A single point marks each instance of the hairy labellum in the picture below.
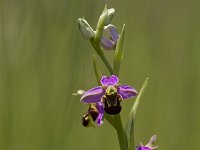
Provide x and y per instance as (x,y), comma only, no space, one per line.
(93,112)
(85,120)
(112,104)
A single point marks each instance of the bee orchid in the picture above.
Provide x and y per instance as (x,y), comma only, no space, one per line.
(110,95)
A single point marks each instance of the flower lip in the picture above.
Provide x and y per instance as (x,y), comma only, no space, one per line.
(112,104)
(85,120)
(109,80)
(94,114)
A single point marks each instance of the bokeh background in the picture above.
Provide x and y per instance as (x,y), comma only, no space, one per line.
(44,59)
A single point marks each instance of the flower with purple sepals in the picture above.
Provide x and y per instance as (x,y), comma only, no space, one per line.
(108,96)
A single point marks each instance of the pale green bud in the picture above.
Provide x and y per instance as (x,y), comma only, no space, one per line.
(85,29)
(104,20)
(111,13)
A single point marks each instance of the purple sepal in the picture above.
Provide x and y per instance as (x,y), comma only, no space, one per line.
(109,38)
(100,109)
(113,32)
(126,91)
(93,95)
(107,44)
(143,148)
(111,80)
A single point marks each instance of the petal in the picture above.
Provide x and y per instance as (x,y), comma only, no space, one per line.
(93,95)
(112,32)
(152,140)
(109,80)
(100,109)
(107,44)
(126,91)
(143,148)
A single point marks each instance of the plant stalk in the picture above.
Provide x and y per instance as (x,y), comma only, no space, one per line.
(115,121)
(122,137)
(101,55)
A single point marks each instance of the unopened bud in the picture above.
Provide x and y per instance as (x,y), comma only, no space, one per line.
(111,13)
(109,38)
(104,20)
(85,29)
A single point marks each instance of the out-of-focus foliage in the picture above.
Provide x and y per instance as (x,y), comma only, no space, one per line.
(44,59)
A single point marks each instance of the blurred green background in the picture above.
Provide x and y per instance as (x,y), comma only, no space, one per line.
(44,59)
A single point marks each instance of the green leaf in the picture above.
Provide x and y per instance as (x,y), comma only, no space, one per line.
(101,55)
(97,70)
(131,121)
(119,52)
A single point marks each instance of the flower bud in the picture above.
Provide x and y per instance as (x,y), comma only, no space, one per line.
(109,38)
(104,20)
(111,13)
(85,29)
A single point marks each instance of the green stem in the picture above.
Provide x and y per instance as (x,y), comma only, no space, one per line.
(107,64)
(121,133)
(110,119)
(116,123)
(101,55)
